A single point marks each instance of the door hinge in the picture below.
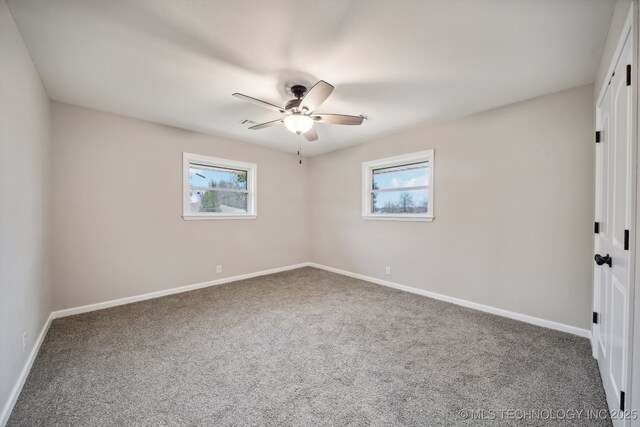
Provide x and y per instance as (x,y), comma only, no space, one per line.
(626,240)
(598,136)
(622,400)
(595,317)
(628,74)
(596,227)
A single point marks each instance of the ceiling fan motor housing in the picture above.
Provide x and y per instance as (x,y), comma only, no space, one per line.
(297,112)
(298,91)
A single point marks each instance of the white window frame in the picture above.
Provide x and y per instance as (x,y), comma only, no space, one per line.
(367,180)
(252,172)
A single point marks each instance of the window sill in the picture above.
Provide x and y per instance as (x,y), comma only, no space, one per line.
(411,218)
(214,217)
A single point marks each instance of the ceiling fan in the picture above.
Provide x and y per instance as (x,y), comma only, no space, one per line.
(299,115)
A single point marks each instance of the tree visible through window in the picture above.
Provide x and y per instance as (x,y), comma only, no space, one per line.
(399,187)
(218,189)
(215,189)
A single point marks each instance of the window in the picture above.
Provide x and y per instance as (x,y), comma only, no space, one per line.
(399,188)
(217,188)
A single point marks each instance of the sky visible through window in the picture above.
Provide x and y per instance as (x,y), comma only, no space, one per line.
(217,189)
(203,177)
(398,179)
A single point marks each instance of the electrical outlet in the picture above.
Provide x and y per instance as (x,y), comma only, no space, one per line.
(218,269)
(387,270)
(24,342)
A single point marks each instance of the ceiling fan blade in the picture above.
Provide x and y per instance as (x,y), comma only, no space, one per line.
(258,102)
(338,119)
(267,124)
(316,96)
(311,134)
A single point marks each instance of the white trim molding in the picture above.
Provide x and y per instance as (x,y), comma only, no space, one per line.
(157,294)
(458,301)
(17,388)
(368,168)
(22,378)
(464,303)
(251,191)
(13,397)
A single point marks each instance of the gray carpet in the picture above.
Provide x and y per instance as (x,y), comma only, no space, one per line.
(304,347)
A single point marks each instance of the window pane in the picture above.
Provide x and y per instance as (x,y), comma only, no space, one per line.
(214,177)
(230,202)
(401,176)
(402,202)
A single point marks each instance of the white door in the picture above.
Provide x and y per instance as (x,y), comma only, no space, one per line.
(615,175)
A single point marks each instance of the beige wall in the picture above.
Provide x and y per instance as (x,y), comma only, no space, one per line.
(513,207)
(513,210)
(118,227)
(25,198)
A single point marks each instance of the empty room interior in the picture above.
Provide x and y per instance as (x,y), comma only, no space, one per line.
(303,213)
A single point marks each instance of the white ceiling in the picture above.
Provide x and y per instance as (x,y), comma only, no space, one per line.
(403,62)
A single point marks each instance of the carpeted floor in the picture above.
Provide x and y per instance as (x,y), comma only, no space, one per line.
(305,347)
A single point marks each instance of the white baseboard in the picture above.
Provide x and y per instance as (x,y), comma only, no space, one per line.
(476,306)
(158,294)
(13,397)
(17,388)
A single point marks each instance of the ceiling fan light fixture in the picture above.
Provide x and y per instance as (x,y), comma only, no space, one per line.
(297,113)
(298,123)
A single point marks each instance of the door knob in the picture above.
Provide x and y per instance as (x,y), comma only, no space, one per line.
(603,259)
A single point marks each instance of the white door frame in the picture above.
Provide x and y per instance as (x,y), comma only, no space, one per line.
(634,333)
(629,30)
